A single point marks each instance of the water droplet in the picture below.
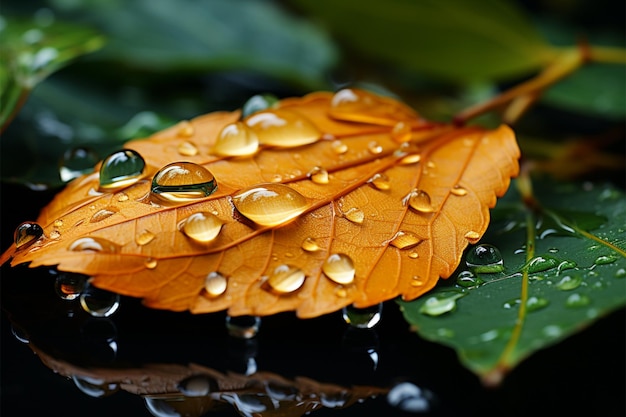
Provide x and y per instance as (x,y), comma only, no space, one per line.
(270,204)
(339,267)
(257,103)
(577,300)
(440,303)
(362,318)
(536,303)
(339,147)
(310,245)
(318,175)
(283,128)
(187,149)
(215,284)
(564,265)
(121,169)
(26,234)
(182,181)
(458,191)
(144,237)
(285,279)
(243,327)
(198,386)
(484,259)
(99,302)
(151,263)
(409,398)
(467,279)
(401,132)
(55,234)
(380,182)
(472,236)
(103,214)
(341,292)
(512,303)
(76,162)
(186,130)
(94,387)
(412,158)
(236,139)
(605,259)
(122,197)
(374,148)
(93,244)
(413,255)
(355,215)
(68,286)
(201,227)
(569,282)
(58,223)
(620,273)
(542,263)
(419,200)
(405,240)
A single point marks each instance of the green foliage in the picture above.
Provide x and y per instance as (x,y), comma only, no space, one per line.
(576,273)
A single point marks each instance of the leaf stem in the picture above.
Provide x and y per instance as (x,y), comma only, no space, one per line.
(607,55)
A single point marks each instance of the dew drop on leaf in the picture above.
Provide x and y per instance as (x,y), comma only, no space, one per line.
(440,303)
(198,386)
(236,139)
(98,302)
(181,182)
(257,103)
(103,214)
(201,227)
(243,327)
(362,318)
(535,303)
(472,236)
(401,132)
(93,244)
(151,263)
(310,245)
(285,279)
(270,204)
(468,279)
(512,303)
(339,147)
(215,284)
(355,215)
(405,240)
(380,182)
(186,130)
(412,158)
(542,263)
(68,286)
(620,273)
(26,234)
(419,200)
(374,148)
(121,169)
(605,259)
(283,128)
(318,175)
(339,267)
(76,162)
(577,300)
(485,259)
(458,191)
(569,282)
(144,237)
(187,149)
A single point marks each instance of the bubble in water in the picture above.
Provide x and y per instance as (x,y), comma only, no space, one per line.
(181,182)
(243,327)
(569,282)
(440,303)
(484,259)
(285,279)
(467,279)
(257,103)
(215,284)
(339,267)
(121,169)
(76,162)
(405,240)
(99,302)
(577,300)
(270,204)
(26,234)
(283,128)
(68,285)
(201,227)
(318,175)
(236,139)
(362,318)
(419,200)
(198,386)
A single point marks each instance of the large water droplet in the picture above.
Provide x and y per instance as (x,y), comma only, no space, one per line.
(362,318)
(577,300)
(310,245)
(270,204)
(26,234)
(440,303)
(68,286)
(419,200)
(318,175)
(542,263)
(569,282)
(535,303)
(198,386)
(93,244)
(103,214)
(182,181)
(215,284)
(98,302)
(121,169)
(339,267)
(76,162)
(283,128)
(467,279)
(243,327)
(236,139)
(380,182)
(201,227)
(405,240)
(484,259)
(257,103)
(355,215)
(285,279)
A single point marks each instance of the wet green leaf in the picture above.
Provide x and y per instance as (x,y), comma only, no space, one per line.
(458,40)
(576,275)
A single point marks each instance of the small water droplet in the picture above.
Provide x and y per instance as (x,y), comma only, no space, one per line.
(374,148)
(412,158)
(310,245)
(201,227)
(553,250)
(565,265)
(55,234)
(536,303)
(569,282)
(605,259)
(187,149)
(341,292)
(339,267)
(620,273)
(283,128)
(186,130)
(103,214)
(285,279)
(405,240)
(181,182)
(380,182)
(472,236)
(440,303)
(26,234)
(362,318)
(413,255)
(577,300)
(484,259)
(270,204)
(257,103)
(515,302)
(215,284)
(318,175)
(121,197)
(93,244)
(198,386)
(417,281)
(355,215)
(542,263)
(121,169)
(467,279)
(243,327)
(98,302)
(401,132)
(339,147)
(236,139)
(58,223)
(458,191)
(68,285)
(151,263)
(419,200)
(76,162)
(144,237)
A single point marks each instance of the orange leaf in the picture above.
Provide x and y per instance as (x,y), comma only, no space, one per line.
(321,202)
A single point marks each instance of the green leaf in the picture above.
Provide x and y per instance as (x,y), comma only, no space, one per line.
(564,266)
(457,40)
(30,50)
